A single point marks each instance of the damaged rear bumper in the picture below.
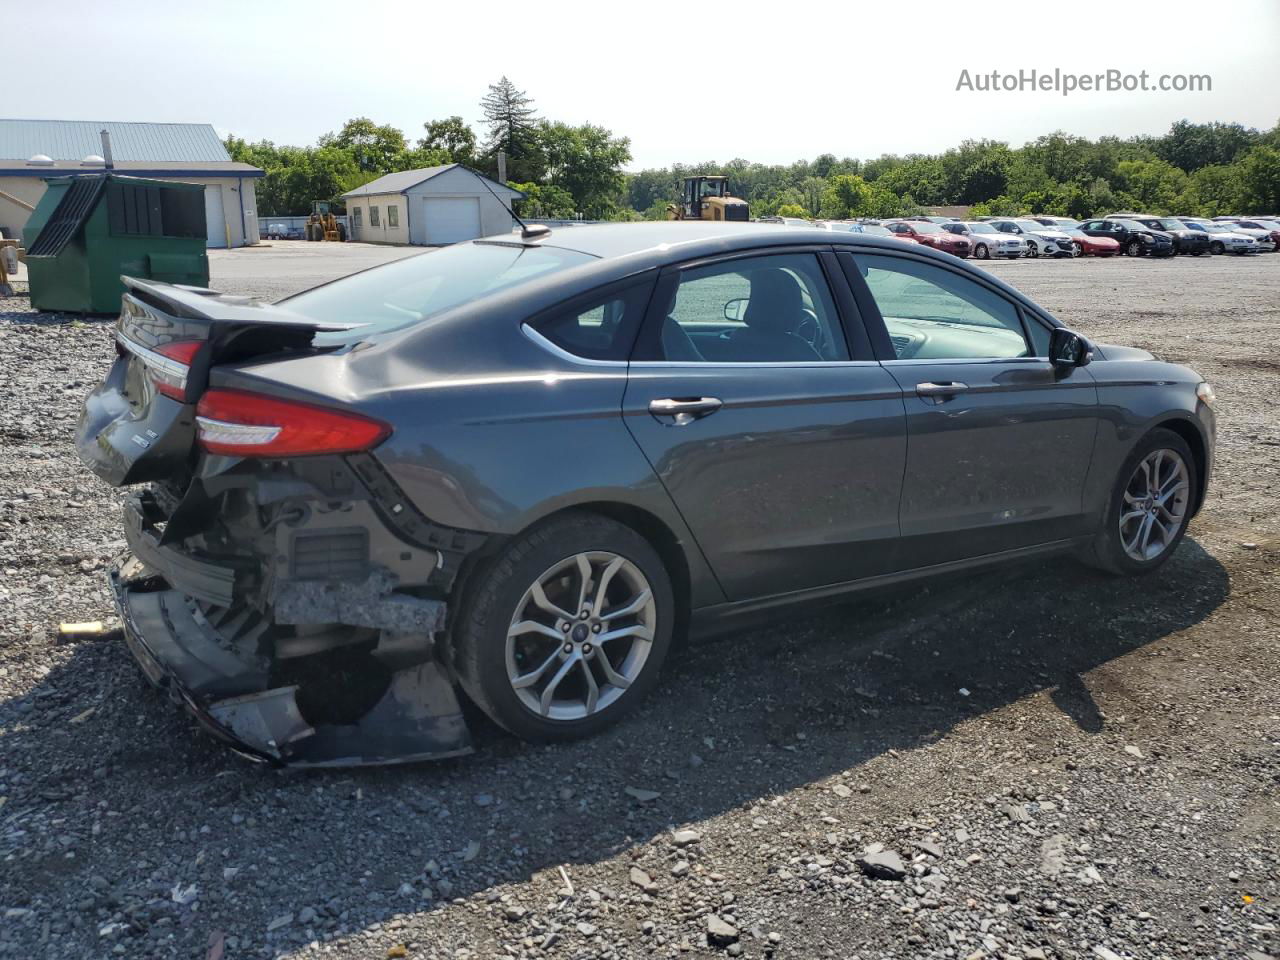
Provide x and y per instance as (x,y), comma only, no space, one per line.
(236,696)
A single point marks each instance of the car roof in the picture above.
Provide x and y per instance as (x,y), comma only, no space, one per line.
(669,241)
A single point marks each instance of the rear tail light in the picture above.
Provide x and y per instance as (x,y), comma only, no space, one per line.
(238,423)
(167,365)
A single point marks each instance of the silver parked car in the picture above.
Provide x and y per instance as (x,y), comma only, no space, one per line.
(1040,240)
(987,242)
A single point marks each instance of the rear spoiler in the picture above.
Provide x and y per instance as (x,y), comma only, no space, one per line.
(200,303)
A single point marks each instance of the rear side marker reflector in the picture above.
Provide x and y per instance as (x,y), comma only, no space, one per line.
(167,365)
(238,423)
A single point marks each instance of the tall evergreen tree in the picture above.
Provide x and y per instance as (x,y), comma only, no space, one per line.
(512,121)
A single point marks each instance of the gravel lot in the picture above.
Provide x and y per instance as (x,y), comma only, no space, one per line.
(1064,765)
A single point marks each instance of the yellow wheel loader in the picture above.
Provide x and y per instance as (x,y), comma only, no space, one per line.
(707,198)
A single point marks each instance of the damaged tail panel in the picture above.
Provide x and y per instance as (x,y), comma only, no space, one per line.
(290,598)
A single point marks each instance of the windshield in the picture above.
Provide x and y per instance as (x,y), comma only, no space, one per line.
(925,226)
(980,228)
(407,291)
(1268,224)
(874,229)
(1215,228)
(1169,223)
(1066,223)
(1132,225)
(1032,226)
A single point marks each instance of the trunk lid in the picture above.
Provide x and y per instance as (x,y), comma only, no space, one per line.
(139,424)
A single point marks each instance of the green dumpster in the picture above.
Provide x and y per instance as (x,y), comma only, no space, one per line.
(88,230)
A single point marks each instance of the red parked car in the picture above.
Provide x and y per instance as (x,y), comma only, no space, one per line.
(931,235)
(1093,246)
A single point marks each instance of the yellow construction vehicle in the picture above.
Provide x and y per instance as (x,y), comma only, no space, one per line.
(323,225)
(707,198)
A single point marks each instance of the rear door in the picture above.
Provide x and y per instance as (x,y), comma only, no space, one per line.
(998,441)
(777,435)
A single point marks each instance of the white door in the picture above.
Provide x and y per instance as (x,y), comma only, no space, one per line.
(215,222)
(450,219)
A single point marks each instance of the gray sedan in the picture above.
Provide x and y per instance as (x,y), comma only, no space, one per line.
(517,468)
(988,242)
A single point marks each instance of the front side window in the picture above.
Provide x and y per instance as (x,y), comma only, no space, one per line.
(373,217)
(393,216)
(934,314)
(767,309)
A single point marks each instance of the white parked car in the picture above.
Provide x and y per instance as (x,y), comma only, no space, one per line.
(1225,239)
(1040,240)
(986,241)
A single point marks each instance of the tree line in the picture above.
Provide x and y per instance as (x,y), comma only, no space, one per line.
(567,170)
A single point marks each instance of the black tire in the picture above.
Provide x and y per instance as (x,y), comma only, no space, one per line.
(981,252)
(498,587)
(342,232)
(1133,248)
(1216,247)
(1106,552)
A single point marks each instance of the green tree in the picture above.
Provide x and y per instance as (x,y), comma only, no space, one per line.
(373,147)
(1216,190)
(454,137)
(544,202)
(1260,180)
(847,195)
(812,189)
(512,123)
(792,210)
(587,162)
(1190,146)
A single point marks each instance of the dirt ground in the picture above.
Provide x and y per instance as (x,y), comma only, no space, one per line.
(1066,765)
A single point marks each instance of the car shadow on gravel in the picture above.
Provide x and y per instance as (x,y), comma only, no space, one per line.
(141,801)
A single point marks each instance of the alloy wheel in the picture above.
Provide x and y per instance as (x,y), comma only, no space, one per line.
(1154,506)
(580,635)
(980,251)
(1032,250)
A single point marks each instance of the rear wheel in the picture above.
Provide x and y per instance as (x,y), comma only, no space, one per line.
(566,631)
(1150,506)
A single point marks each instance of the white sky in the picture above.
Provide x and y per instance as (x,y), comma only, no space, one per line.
(686,82)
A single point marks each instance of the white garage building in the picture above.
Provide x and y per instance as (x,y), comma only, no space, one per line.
(431,206)
(32,151)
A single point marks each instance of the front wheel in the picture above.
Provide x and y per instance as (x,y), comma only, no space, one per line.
(1032,250)
(1134,248)
(1150,506)
(1217,247)
(1077,249)
(981,251)
(566,630)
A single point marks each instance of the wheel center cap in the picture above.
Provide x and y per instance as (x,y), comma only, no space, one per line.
(580,633)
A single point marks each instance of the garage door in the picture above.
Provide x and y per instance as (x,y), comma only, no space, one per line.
(213,218)
(450,219)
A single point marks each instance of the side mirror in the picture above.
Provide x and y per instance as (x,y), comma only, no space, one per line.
(735,309)
(1068,349)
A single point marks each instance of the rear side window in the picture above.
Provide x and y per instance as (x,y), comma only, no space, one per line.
(603,329)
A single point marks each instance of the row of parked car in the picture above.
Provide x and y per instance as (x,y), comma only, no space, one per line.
(1117,234)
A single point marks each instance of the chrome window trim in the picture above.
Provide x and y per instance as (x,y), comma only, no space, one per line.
(558,351)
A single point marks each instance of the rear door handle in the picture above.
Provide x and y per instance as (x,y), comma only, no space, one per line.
(941,391)
(684,410)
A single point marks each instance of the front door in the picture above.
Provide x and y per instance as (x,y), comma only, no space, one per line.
(782,451)
(998,440)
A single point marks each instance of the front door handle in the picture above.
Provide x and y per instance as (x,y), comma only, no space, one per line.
(941,392)
(684,410)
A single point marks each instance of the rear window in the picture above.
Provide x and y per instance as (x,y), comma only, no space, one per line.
(410,290)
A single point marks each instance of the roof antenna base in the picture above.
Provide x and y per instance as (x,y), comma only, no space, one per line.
(535,231)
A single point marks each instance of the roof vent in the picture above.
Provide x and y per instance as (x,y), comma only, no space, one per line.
(40,160)
(93,160)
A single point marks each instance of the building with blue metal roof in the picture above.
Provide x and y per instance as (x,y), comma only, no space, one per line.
(32,151)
